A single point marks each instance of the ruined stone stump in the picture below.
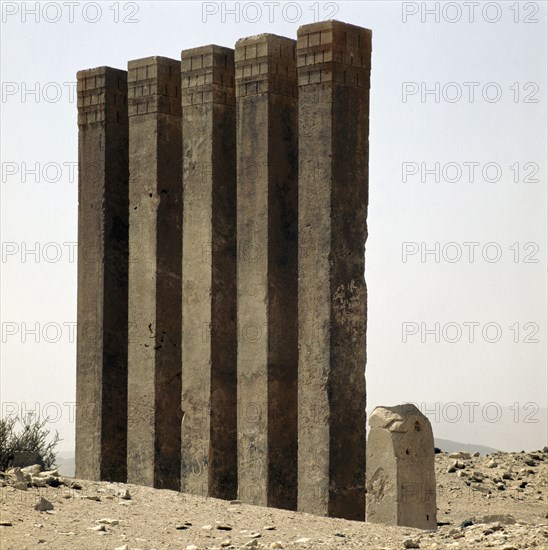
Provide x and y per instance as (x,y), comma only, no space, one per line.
(102,334)
(154,356)
(267,167)
(401,480)
(209,450)
(333,63)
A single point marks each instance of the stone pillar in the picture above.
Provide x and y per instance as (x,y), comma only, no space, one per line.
(267,270)
(401,478)
(209,459)
(101,364)
(333,63)
(155,235)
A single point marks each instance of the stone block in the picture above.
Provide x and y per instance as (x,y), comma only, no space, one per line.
(401,480)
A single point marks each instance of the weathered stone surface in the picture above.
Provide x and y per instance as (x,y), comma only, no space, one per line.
(154,351)
(333,63)
(102,335)
(401,481)
(267,270)
(209,451)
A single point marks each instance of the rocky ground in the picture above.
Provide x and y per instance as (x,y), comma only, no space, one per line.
(498,501)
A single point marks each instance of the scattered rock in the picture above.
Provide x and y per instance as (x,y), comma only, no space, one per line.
(466,523)
(460,454)
(122,492)
(43,505)
(33,470)
(410,543)
(108,521)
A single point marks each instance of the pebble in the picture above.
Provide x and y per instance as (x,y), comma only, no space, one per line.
(192,547)
(43,505)
(108,521)
(276,545)
(123,493)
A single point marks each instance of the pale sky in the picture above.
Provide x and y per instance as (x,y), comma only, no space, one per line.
(457,214)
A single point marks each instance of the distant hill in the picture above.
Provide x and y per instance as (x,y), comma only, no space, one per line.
(65,463)
(452,446)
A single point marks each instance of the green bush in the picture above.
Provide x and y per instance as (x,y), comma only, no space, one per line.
(29,434)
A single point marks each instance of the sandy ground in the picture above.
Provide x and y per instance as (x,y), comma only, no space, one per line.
(510,487)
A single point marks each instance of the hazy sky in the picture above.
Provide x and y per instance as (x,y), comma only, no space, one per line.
(456,255)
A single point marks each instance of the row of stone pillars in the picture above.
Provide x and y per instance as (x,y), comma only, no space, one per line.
(222,318)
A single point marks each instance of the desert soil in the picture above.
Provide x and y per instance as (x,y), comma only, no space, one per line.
(498,501)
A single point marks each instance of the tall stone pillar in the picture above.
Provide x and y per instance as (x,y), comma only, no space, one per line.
(101,364)
(209,459)
(154,356)
(333,61)
(267,270)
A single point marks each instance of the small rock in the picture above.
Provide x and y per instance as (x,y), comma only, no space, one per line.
(501,486)
(460,454)
(184,526)
(43,505)
(226,543)
(123,493)
(409,543)
(269,527)
(33,470)
(223,527)
(108,521)
(251,544)
(6,524)
(507,475)
(451,470)
(124,547)
(302,540)
(98,528)
(192,547)
(235,502)
(96,498)
(476,454)
(492,464)
(466,523)
(207,527)
(255,535)
(276,545)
